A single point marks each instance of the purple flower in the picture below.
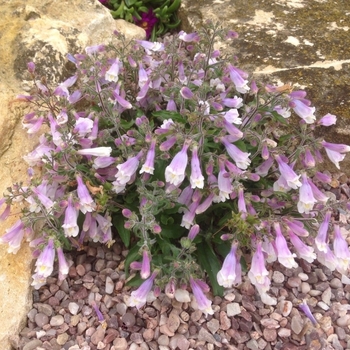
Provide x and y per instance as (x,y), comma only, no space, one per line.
(97,151)
(237,76)
(205,204)
(327,120)
(188,37)
(189,214)
(306,197)
(70,225)
(103,162)
(226,277)
(193,232)
(63,266)
(62,89)
(186,93)
(138,297)
(97,310)
(196,178)
(288,173)
(13,237)
(204,304)
(224,184)
(241,158)
(127,169)
(241,201)
(146,265)
(113,71)
(170,288)
(44,263)
(335,152)
(321,238)
(305,308)
(309,160)
(175,171)
(303,111)
(148,166)
(341,251)
(284,255)
(168,143)
(264,167)
(303,251)
(258,273)
(318,194)
(86,203)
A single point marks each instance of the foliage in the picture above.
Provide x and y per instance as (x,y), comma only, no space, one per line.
(170,146)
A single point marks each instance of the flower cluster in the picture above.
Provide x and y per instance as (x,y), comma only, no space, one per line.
(173,148)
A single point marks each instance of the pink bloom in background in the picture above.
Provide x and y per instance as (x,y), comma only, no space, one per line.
(147,22)
(335,152)
(288,173)
(237,76)
(139,296)
(113,72)
(204,304)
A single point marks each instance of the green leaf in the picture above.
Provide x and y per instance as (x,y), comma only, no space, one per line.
(118,222)
(135,281)
(279,118)
(169,115)
(172,231)
(210,263)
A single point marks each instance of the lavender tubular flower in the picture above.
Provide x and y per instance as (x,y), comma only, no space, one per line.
(288,173)
(63,267)
(86,203)
(305,308)
(148,166)
(138,297)
(306,197)
(196,178)
(321,238)
(284,255)
(175,171)
(97,152)
(146,265)
(13,237)
(341,251)
(70,225)
(241,158)
(204,304)
(44,263)
(226,277)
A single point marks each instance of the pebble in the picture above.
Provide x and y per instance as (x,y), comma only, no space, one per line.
(305,287)
(233,309)
(303,276)
(120,344)
(293,282)
(284,332)
(73,308)
(270,334)
(343,321)
(163,340)
(285,307)
(109,288)
(213,325)
(252,344)
(41,319)
(204,335)
(62,338)
(98,335)
(278,277)
(32,344)
(326,296)
(45,309)
(297,324)
(336,283)
(56,320)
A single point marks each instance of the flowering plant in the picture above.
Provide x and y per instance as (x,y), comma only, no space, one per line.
(174,149)
(156,17)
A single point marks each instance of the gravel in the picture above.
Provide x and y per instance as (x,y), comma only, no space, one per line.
(62,317)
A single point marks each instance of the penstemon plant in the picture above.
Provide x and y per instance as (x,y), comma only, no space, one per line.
(170,146)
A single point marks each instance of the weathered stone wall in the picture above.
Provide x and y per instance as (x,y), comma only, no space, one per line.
(42,31)
(305,42)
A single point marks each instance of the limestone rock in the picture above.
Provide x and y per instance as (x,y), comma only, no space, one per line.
(280,43)
(42,31)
